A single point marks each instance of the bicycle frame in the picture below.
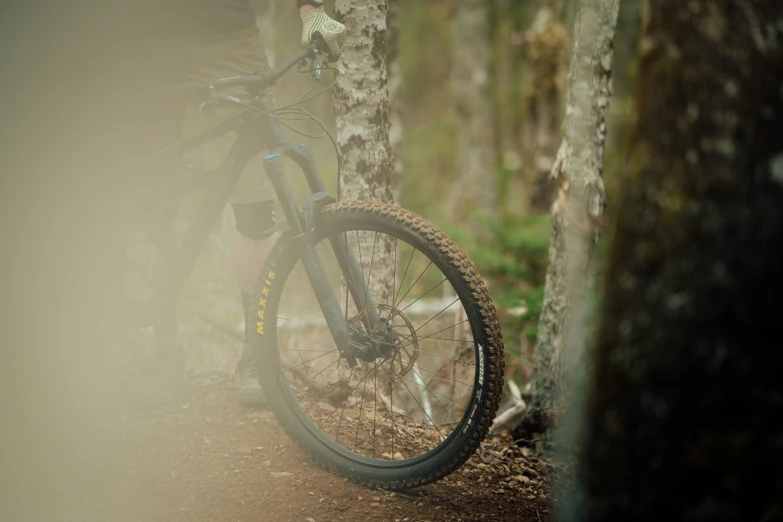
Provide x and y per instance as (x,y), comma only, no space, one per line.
(253,130)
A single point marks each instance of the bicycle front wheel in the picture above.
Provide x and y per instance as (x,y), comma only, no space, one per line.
(418,405)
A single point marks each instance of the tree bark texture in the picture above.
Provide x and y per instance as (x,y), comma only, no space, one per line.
(545,52)
(361,105)
(396,123)
(474,186)
(688,396)
(577,209)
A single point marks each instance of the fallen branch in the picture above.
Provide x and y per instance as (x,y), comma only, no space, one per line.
(511,415)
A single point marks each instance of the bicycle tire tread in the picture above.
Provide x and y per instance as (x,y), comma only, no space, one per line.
(494,349)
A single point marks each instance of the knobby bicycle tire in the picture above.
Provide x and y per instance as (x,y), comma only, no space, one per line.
(474,424)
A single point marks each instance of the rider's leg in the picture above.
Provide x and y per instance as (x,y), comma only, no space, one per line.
(235,54)
(253,221)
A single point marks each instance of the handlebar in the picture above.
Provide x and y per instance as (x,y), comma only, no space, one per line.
(268,77)
(259,80)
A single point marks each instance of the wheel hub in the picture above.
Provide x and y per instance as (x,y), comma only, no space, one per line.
(392,338)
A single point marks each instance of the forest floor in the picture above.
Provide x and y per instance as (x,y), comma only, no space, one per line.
(203,458)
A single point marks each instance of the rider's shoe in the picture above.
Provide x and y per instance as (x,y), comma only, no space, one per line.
(251,395)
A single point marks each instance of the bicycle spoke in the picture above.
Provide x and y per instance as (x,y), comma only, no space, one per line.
(394,274)
(425,293)
(309,360)
(435,339)
(435,394)
(436,315)
(333,389)
(359,248)
(372,259)
(447,328)
(402,377)
(432,422)
(407,414)
(375,411)
(394,303)
(391,413)
(444,376)
(361,410)
(314,351)
(429,353)
(416,281)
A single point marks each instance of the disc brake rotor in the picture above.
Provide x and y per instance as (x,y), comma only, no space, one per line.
(392,339)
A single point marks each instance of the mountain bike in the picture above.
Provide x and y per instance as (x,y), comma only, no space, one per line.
(376,341)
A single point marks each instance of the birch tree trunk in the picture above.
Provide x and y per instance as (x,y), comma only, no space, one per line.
(474,187)
(361,105)
(576,211)
(684,419)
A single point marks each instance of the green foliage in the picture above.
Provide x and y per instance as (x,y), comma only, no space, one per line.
(512,257)
(518,249)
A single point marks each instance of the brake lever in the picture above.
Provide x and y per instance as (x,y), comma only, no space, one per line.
(318,64)
(321,55)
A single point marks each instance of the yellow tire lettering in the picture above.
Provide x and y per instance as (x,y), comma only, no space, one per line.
(262,301)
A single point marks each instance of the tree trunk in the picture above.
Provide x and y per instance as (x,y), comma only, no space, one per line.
(545,50)
(474,186)
(396,130)
(685,415)
(577,210)
(361,105)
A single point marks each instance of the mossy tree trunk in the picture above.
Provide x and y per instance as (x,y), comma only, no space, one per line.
(684,420)
(576,212)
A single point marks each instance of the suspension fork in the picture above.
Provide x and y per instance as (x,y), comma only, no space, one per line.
(350,267)
(329,304)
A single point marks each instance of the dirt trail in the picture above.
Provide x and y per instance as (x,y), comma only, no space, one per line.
(205,459)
